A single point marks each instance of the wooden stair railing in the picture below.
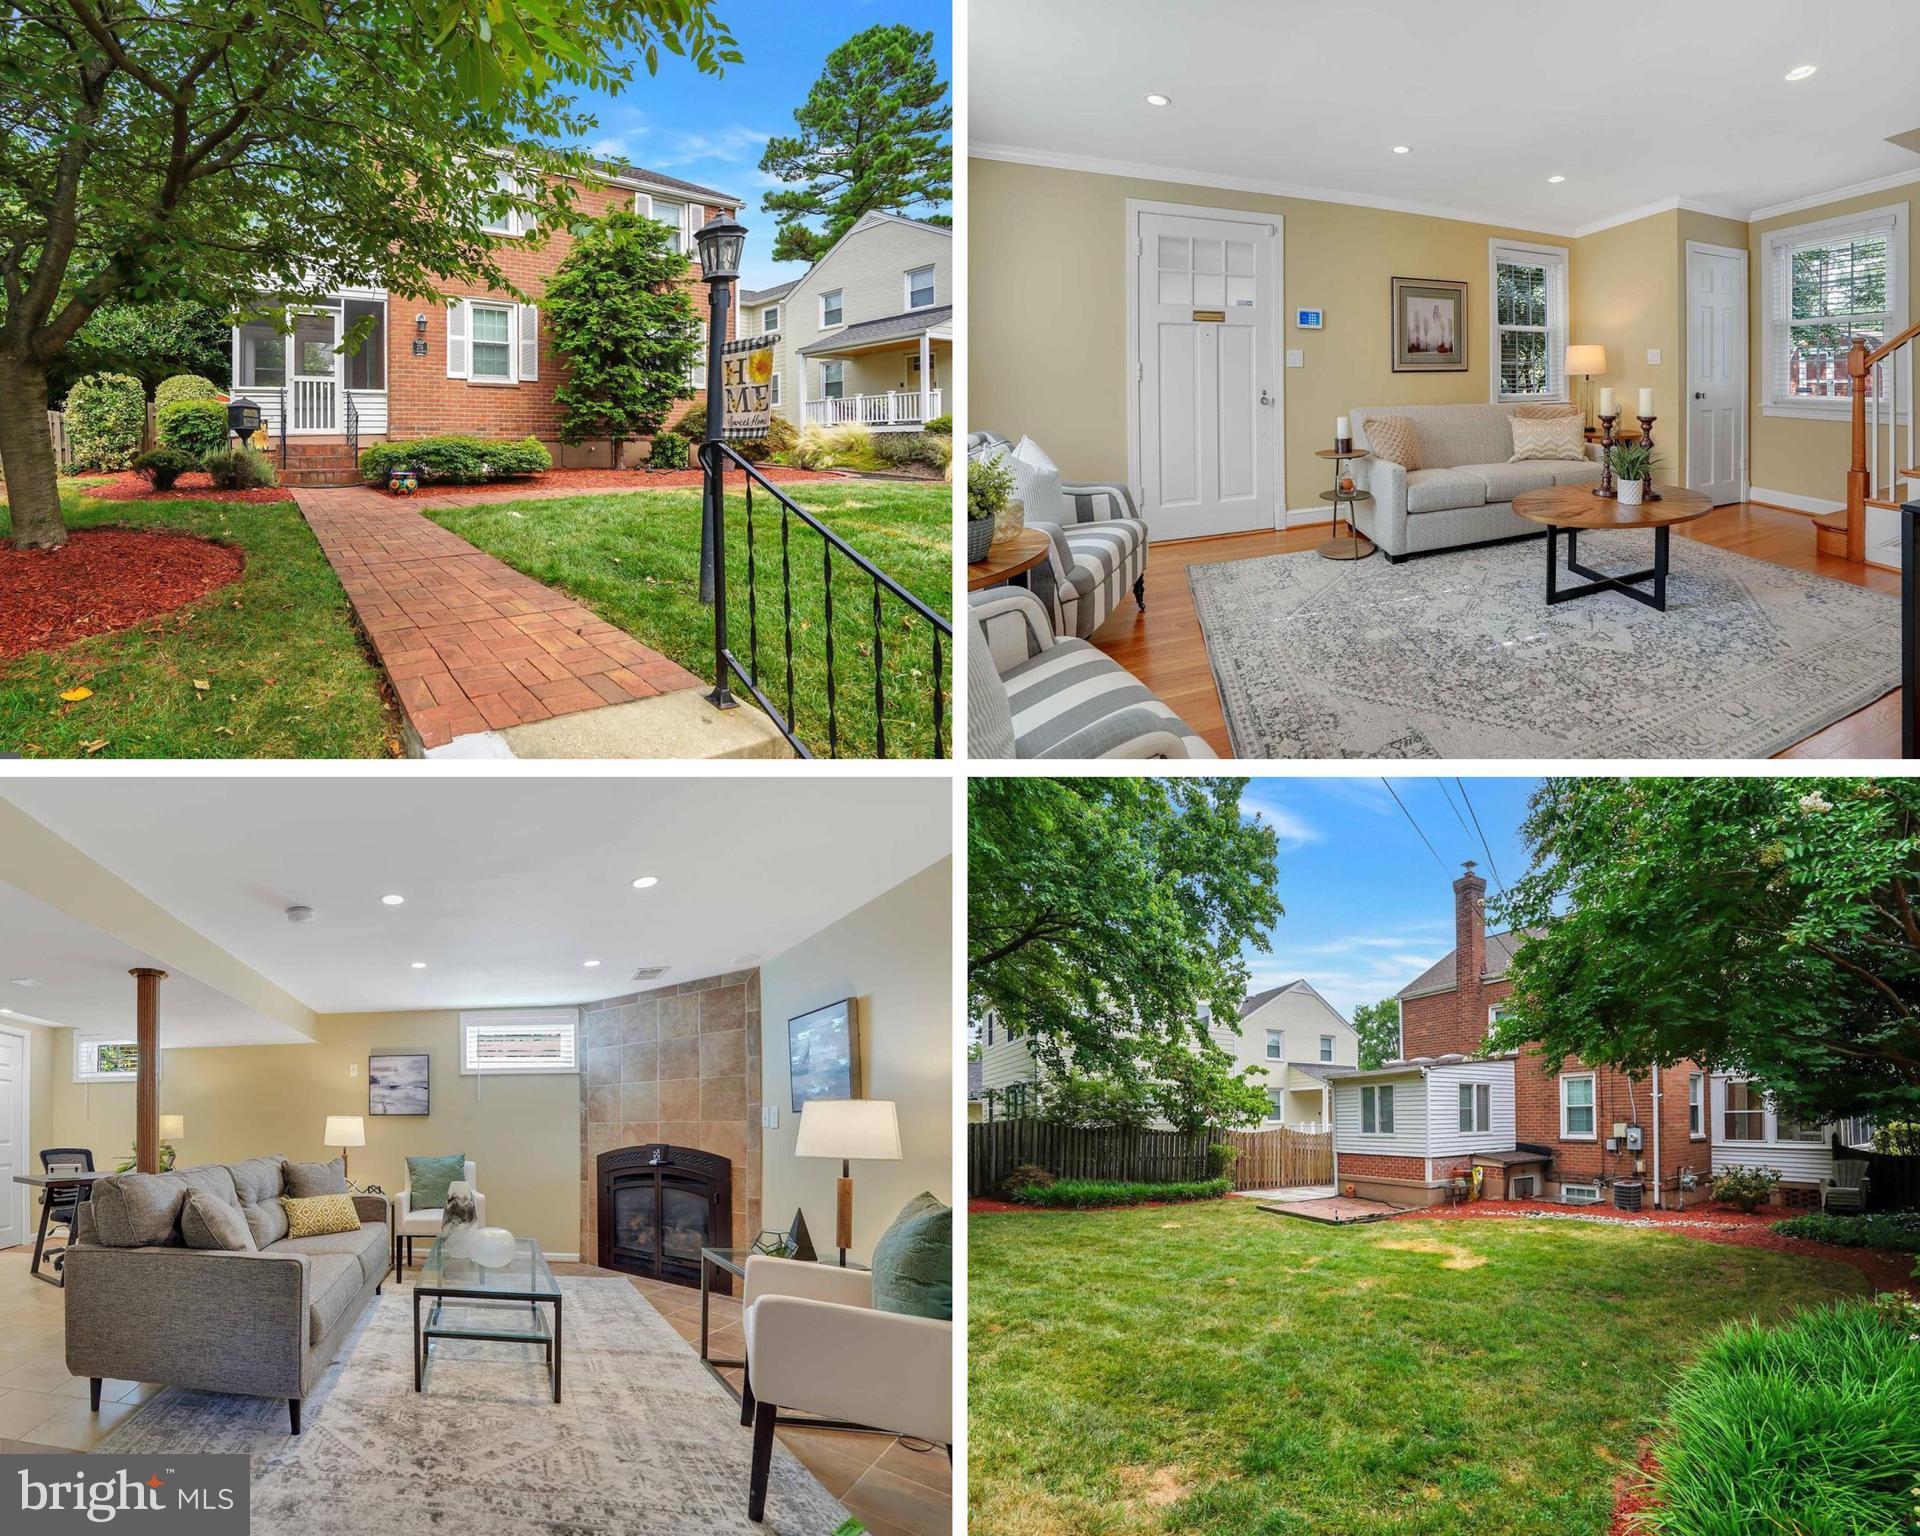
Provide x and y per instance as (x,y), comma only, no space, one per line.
(1875,473)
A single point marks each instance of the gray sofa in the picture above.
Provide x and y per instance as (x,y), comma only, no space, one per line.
(1463,491)
(262,1322)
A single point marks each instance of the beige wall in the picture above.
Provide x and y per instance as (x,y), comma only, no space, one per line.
(242,1101)
(895,956)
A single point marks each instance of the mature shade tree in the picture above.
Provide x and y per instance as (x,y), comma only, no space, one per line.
(623,320)
(1378,1026)
(1767,925)
(207,150)
(875,134)
(1102,912)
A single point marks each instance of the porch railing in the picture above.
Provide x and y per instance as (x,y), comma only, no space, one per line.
(892,609)
(315,405)
(894,408)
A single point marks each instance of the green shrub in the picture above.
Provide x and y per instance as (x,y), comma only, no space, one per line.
(1898,1231)
(195,427)
(106,420)
(239,469)
(1221,1158)
(455,460)
(184,386)
(1748,1188)
(669,451)
(989,484)
(913,448)
(163,466)
(1025,1176)
(943,424)
(1086,1194)
(1811,1426)
(782,434)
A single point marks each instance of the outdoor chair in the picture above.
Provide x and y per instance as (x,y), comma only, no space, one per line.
(1846,1187)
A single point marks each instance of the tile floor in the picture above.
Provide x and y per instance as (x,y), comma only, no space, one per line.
(894,1489)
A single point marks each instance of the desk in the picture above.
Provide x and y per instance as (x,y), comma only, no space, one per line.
(50,1182)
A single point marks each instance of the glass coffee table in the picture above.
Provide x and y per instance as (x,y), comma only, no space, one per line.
(474,1301)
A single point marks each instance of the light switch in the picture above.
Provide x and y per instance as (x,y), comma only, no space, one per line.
(353,1069)
(1653,357)
(770,1116)
(1296,358)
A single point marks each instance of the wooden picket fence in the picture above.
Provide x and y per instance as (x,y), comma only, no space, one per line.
(995,1148)
(63,449)
(1280,1157)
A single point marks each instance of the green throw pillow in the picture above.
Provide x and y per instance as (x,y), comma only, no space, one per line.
(913,1261)
(428,1178)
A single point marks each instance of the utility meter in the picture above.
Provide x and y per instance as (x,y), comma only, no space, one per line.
(1633,1138)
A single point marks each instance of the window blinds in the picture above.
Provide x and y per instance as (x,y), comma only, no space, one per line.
(1827,284)
(1529,323)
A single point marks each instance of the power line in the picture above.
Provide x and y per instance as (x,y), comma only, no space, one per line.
(1483,836)
(1414,824)
(1447,795)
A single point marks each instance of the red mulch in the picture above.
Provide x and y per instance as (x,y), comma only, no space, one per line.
(104,579)
(128,485)
(1633,1497)
(583,482)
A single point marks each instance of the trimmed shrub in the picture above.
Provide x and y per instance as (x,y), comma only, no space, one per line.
(912,448)
(195,427)
(669,451)
(455,460)
(1896,1231)
(239,469)
(1089,1194)
(106,420)
(1810,1426)
(163,466)
(1221,1158)
(941,425)
(1748,1188)
(184,386)
(1025,1176)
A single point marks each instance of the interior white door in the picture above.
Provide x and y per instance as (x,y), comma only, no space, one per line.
(1717,374)
(13,1135)
(1208,428)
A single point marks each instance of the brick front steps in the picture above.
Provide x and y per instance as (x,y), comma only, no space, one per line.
(318,464)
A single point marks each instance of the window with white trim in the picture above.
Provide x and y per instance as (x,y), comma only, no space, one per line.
(1326,1047)
(1696,1105)
(833,380)
(1529,313)
(491,341)
(1746,1113)
(507,221)
(697,374)
(1376,1109)
(1825,284)
(1276,1045)
(1576,1107)
(1791,1128)
(1493,1018)
(521,1041)
(773,389)
(1205,1011)
(1476,1107)
(103,1059)
(920,288)
(832,309)
(1277,1098)
(769,319)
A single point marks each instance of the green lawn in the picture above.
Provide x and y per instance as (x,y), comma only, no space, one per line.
(1212,1368)
(633,558)
(285,670)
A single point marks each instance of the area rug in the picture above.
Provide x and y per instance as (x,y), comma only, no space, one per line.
(1458,655)
(644,1442)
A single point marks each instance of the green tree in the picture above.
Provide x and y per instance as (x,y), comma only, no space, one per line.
(150,341)
(1766,925)
(623,320)
(1103,911)
(875,135)
(1378,1026)
(192,149)
(1203,1089)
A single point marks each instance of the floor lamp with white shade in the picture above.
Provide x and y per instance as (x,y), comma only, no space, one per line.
(847,1129)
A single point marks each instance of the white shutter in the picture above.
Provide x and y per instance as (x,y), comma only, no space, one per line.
(525,220)
(529,341)
(643,204)
(457,332)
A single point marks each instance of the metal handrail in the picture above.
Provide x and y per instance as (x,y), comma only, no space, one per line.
(353,427)
(283,421)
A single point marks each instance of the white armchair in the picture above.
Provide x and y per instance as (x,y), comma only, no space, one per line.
(409,1223)
(816,1345)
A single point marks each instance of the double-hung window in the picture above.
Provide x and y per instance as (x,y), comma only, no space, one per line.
(832,380)
(1746,1113)
(1476,1107)
(1696,1105)
(1276,1045)
(832,309)
(1326,1047)
(103,1059)
(1376,1110)
(1576,1107)
(492,341)
(769,319)
(920,288)
(773,389)
(1826,284)
(520,1040)
(1529,321)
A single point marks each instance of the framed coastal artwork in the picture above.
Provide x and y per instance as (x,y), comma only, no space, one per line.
(1429,325)
(823,1053)
(398,1085)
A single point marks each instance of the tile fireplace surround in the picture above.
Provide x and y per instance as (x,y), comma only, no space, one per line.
(680,1065)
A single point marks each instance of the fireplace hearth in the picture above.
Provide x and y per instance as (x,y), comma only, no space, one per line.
(659,1205)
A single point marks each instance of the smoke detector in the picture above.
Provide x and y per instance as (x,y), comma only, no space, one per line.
(299,914)
(649,973)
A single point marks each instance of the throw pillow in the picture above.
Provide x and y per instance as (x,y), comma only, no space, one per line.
(206,1221)
(1392,438)
(1036,484)
(1559,437)
(428,1178)
(320,1214)
(913,1261)
(304,1179)
(1546,410)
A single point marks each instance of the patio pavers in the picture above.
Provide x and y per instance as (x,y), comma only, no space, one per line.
(469,643)
(1332,1210)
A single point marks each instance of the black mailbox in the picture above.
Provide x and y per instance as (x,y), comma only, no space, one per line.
(243,418)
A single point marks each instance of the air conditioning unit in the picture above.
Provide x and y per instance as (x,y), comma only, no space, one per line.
(1580,1194)
(1525,1187)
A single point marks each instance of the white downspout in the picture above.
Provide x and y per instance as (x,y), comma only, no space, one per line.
(1657,1196)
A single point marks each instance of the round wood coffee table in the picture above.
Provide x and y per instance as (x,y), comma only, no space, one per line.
(1009,560)
(1576,509)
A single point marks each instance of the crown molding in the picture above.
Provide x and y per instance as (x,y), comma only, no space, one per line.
(1839,194)
(1650,210)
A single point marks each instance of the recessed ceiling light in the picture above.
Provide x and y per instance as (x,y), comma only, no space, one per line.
(1155,99)
(644,881)
(392,899)
(27,981)
(1556,178)
(1801,71)
(589,962)
(419,965)
(1403,149)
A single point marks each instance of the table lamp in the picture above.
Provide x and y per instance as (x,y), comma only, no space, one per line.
(1585,359)
(345,1131)
(846,1129)
(173,1127)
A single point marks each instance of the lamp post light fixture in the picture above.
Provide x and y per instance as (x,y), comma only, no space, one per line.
(719,242)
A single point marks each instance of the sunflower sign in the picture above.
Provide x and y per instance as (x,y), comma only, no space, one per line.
(746,378)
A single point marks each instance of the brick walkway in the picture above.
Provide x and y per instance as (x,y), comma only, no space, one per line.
(469,642)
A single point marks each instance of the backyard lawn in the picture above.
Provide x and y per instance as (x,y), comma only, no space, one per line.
(284,671)
(1213,1368)
(634,559)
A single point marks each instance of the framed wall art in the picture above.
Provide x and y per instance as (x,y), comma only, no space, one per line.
(399,1085)
(823,1053)
(1429,325)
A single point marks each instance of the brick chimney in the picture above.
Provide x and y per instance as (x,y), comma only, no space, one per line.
(1469,954)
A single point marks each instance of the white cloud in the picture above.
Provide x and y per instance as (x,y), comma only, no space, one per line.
(1291,829)
(737,145)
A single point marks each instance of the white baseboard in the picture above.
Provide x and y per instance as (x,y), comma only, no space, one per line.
(1300,516)
(1812,505)
(564,1258)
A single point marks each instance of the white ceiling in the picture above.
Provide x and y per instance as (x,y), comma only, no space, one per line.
(1636,103)
(510,884)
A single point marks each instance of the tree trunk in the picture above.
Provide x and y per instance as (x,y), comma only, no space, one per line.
(26,456)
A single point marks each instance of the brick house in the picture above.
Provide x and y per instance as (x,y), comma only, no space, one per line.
(1539,1128)
(480,363)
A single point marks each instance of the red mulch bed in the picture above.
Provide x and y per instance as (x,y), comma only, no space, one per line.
(128,485)
(1633,1497)
(104,579)
(584,482)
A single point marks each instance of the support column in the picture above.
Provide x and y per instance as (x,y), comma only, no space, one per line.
(146,1114)
(926,374)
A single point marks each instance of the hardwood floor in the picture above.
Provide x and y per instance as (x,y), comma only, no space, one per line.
(1164,649)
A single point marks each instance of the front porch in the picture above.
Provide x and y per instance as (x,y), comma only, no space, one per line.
(319,370)
(883,375)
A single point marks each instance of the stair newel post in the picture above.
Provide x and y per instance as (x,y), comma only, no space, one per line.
(1857,474)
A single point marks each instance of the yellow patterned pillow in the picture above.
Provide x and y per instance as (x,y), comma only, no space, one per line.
(1550,410)
(1558,437)
(1392,438)
(317,1215)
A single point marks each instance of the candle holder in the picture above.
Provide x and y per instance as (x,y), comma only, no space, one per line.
(1343,445)
(1647,492)
(1605,487)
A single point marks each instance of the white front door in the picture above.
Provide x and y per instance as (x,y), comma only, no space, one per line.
(13,1135)
(313,372)
(1208,422)
(1717,372)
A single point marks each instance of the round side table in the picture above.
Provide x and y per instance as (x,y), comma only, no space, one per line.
(1351,545)
(1008,560)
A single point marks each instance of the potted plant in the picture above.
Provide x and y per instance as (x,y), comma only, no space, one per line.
(989,486)
(1632,465)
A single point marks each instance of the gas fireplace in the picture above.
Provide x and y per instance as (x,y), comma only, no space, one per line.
(659,1206)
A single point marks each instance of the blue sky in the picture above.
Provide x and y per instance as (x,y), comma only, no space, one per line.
(713,131)
(1368,907)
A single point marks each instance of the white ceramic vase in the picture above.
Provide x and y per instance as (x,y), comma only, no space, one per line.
(1628,492)
(457,1221)
(492,1247)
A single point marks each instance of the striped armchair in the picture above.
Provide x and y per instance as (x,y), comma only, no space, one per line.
(1096,558)
(1030,694)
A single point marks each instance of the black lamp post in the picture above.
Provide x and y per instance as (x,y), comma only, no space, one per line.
(719,241)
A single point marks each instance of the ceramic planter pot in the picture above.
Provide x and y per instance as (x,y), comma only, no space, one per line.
(1629,492)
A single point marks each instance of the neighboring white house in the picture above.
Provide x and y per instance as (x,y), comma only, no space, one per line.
(867,334)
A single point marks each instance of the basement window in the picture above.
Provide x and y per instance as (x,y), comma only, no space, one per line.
(1580,1194)
(521,1041)
(102,1059)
